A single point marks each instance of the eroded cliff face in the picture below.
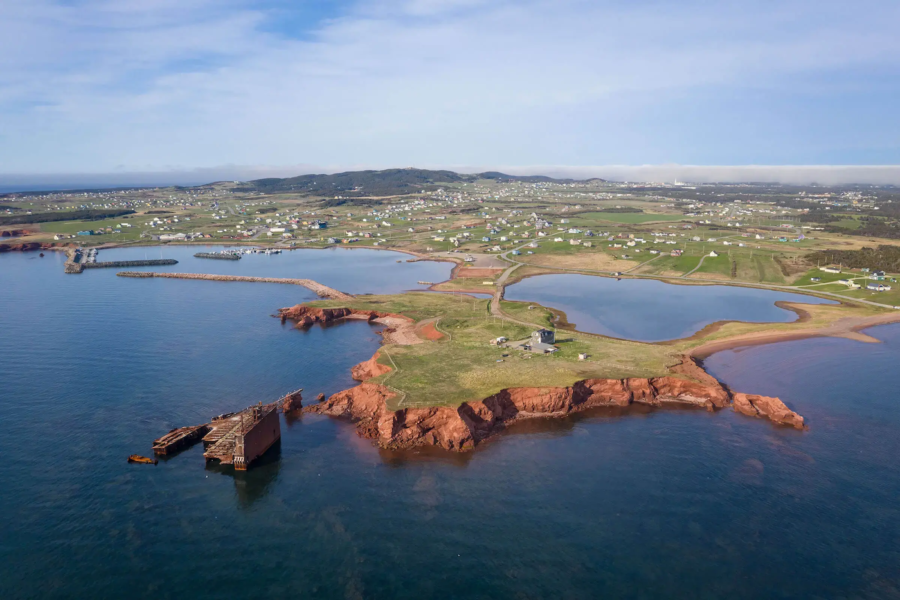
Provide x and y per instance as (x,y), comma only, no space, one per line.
(463,427)
(304,316)
(26,246)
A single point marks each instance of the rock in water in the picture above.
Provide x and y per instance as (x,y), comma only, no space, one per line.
(292,402)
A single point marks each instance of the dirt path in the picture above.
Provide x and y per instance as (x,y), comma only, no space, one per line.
(635,268)
(699,264)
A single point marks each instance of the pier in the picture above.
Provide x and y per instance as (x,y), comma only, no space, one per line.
(219,255)
(130,263)
(323,291)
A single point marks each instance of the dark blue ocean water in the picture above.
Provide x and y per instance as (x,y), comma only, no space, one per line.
(640,504)
(650,310)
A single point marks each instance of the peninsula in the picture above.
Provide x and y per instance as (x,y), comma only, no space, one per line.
(451,374)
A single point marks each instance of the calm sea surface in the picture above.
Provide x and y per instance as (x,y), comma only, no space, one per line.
(649,310)
(642,504)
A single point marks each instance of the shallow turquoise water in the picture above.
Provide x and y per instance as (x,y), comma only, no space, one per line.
(649,310)
(637,504)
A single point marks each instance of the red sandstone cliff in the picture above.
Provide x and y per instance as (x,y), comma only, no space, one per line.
(369,369)
(10,233)
(463,427)
(304,316)
(26,246)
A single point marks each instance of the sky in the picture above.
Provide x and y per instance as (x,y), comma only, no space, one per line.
(236,88)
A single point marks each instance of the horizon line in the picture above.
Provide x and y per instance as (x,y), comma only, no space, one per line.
(821,175)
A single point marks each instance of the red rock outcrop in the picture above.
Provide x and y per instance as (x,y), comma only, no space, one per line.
(6,233)
(463,427)
(26,246)
(369,369)
(292,402)
(304,316)
(767,407)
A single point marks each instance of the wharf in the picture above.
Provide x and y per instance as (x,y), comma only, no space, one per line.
(130,263)
(219,255)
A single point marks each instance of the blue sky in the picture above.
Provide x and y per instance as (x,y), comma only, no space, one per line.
(106,86)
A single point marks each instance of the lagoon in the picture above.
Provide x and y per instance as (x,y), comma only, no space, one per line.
(648,310)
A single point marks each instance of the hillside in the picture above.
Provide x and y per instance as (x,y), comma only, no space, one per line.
(389,182)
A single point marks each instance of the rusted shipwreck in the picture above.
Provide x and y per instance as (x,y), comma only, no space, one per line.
(237,438)
(240,438)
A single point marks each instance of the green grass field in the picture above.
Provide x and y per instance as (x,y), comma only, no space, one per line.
(463,366)
(629,218)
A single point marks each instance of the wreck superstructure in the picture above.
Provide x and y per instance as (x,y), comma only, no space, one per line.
(240,438)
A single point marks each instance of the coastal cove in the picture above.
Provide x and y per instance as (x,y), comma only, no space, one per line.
(649,310)
(682,500)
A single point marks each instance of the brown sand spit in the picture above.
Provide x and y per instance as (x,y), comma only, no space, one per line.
(848,327)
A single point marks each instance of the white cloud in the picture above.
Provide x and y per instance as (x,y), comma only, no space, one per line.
(198,83)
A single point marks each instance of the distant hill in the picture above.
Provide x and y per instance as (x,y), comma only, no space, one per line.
(390,182)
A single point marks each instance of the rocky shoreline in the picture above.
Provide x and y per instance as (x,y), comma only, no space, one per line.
(28,246)
(462,428)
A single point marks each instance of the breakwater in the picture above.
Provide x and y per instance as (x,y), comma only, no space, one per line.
(130,263)
(219,255)
(323,291)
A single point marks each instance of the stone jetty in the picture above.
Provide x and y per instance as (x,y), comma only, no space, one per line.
(219,255)
(130,263)
(323,291)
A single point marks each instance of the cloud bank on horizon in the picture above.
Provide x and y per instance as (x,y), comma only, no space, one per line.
(185,86)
